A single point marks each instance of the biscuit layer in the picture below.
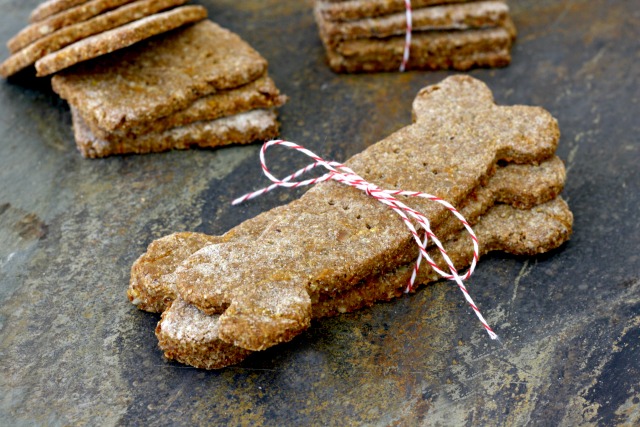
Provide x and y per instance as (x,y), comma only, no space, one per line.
(118,38)
(160,76)
(72,33)
(244,128)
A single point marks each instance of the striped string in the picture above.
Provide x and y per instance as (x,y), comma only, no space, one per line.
(341,173)
(407,40)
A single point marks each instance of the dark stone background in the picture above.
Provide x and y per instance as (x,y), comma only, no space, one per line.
(74,351)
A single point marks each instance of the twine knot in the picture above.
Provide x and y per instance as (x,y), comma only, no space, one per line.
(341,173)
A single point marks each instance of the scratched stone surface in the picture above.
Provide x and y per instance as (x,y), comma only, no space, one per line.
(73,351)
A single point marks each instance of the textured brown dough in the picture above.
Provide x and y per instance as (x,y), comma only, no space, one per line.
(153,278)
(160,76)
(189,336)
(65,18)
(243,128)
(118,38)
(333,237)
(446,17)
(51,7)
(72,33)
(259,94)
(350,10)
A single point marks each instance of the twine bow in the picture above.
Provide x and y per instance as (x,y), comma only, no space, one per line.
(343,174)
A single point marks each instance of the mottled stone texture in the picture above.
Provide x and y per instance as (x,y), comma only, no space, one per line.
(73,350)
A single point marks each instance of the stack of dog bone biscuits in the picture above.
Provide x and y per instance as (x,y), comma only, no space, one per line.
(370,35)
(200,85)
(336,249)
(63,33)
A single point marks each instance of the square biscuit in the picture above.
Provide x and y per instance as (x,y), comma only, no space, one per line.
(431,50)
(65,36)
(160,76)
(67,17)
(445,17)
(241,128)
(119,38)
(351,10)
(259,94)
(51,7)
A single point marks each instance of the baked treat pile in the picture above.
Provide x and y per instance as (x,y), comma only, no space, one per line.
(65,32)
(148,75)
(336,249)
(369,35)
(200,85)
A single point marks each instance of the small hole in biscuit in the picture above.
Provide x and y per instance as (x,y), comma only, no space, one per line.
(346,207)
(359,217)
(331,202)
(369,227)
(434,171)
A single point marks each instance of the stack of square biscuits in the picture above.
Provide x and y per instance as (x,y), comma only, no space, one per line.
(337,250)
(65,32)
(200,85)
(148,75)
(369,35)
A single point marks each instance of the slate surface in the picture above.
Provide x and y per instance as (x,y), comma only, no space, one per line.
(74,351)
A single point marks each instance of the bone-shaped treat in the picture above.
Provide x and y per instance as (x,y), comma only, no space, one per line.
(335,236)
(192,337)
(153,277)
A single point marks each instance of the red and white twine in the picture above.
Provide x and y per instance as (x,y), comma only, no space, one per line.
(407,40)
(341,173)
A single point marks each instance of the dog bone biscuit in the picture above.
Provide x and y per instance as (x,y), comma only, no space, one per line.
(503,228)
(153,275)
(189,336)
(334,236)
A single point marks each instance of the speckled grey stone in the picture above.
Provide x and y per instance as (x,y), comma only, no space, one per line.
(73,350)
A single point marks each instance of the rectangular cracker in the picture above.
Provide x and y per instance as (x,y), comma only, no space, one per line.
(51,7)
(119,38)
(447,17)
(243,128)
(72,33)
(458,50)
(67,17)
(259,94)
(160,76)
(350,10)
